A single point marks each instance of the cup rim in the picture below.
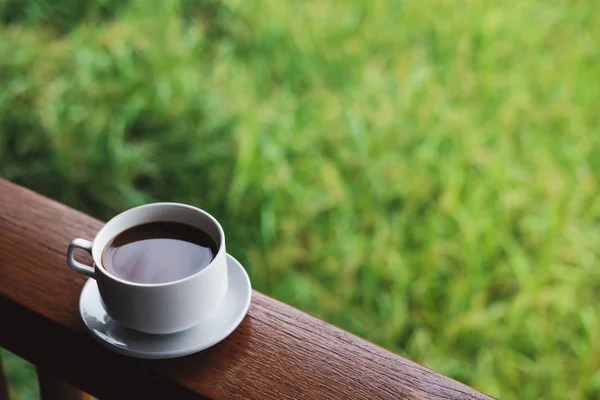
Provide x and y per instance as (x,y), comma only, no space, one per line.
(98,258)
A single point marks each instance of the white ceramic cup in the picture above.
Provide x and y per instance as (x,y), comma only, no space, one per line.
(164,307)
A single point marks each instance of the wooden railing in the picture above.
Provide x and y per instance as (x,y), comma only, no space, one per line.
(277,352)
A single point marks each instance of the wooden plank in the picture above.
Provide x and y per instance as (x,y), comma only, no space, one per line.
(52,387)
(277,352)
(3,385)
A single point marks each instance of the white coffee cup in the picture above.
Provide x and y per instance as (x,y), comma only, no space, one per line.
(165,307)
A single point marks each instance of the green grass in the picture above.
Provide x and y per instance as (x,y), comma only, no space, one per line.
(425,174)
(21,377)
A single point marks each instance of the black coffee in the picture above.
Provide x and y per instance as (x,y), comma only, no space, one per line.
(158,252)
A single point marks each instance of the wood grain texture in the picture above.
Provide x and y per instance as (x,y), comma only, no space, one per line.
(278,352)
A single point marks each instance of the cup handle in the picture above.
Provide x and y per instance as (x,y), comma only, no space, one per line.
(76,265)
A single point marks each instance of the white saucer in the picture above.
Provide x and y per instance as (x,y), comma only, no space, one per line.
(207,333)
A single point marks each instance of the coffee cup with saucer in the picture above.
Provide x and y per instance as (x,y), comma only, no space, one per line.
(163,320)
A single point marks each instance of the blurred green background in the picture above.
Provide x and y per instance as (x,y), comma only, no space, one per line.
(423,173)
